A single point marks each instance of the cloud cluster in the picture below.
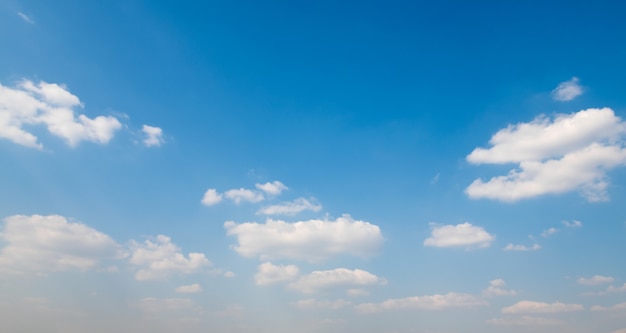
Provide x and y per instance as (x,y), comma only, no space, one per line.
(268,273)
(53,106)
(52,243)
(460,235)
(339,277)
(496,288)
(570,152)
(160,257)
(595,280)
(532,307)
(312,240)
(239,195)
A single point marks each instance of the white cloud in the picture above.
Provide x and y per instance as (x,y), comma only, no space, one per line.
(525,321)
(571,152)
(541,307)
(51,105)
(268,273)
(567,91)
(154,136)
(160,257)
(430,302)
(613,289)
(496,288)
(549,232)
(595,280)
(211,197)
(616,307)
(291,208)
(464,234)
(52,243)
(272,188)
(573,224)
(189,289)
(26,18)
(242,194)
(229,274)
(312,240)
(339,277)
(519,247)
(316,304)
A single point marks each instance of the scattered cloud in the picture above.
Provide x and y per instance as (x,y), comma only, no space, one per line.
(339,277)
(595,280)
(189,289)
(312,240)
(540,307)
(568,90)
(291,208)
(316,304)
(154,136)
(272,188)
(242,194)
(616,307)
(52,105)
(496,288)
(52,243)
(160,257)
(26,18)
(573,224)
(549,232)
(430,302)
(525,321)
(464,235)
(229,274)
(268,273)
(211,197)
(519,247)
(571,152)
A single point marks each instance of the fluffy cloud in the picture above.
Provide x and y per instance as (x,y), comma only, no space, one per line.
(242,194)
(525,321)
(160,257)
(595,280)
(518,247)
(496,288)
(189,289)
(571,152)
(315,304)
(291,208)
(339,277)
(51,105)
(211,197)
(43,243)
(268,273)
(272,188)
(154,136)
(540,307)
(464,234)
(312,240)
(430,302)
(567,91)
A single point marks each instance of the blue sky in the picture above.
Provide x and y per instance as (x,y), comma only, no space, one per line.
(312,167)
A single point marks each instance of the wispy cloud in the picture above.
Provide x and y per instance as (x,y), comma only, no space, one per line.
(567,91)
(26,18)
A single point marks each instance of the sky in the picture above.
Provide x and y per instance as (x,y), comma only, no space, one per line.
(313,166)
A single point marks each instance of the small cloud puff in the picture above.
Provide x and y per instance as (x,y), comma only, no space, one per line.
(154,136)
(567,91)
